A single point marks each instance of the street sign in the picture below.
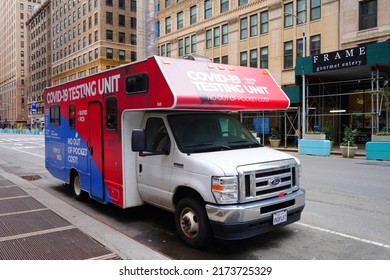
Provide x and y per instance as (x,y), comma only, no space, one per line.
(33,106)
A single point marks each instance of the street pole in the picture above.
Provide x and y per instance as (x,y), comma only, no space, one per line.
(303,73)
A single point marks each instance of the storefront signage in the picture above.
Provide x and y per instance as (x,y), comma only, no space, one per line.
(340,59)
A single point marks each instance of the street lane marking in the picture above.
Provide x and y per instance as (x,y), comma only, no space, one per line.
(346,236)
(15,149)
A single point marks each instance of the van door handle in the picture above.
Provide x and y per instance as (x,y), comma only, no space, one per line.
(90,150)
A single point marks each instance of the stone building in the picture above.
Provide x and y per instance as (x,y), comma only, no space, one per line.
(14,61)
(286,36)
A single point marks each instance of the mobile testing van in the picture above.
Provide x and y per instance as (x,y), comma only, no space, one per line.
(165,132)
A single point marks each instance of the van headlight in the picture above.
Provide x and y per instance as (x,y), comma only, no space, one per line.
(225,189)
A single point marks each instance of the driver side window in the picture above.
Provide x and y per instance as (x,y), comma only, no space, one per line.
(157,138)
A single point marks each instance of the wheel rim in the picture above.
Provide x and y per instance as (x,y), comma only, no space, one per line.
(76,185)
(189,223)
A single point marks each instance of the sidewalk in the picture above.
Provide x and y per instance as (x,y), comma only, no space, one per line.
(35,225)
(361,152)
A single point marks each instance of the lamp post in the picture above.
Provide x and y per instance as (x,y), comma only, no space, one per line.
(303,73)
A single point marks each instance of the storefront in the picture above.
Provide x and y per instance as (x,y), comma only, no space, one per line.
(346,88)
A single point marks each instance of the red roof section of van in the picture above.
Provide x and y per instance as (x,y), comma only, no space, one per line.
(198,85)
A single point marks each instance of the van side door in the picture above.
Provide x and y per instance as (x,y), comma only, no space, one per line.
(154,171)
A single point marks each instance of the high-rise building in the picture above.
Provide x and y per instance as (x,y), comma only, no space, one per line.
(13,60)
(39,66)
(89,36)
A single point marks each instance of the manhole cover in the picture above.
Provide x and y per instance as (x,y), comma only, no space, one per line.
(31,177)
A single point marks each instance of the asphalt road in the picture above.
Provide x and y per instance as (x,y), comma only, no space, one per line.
(347,214)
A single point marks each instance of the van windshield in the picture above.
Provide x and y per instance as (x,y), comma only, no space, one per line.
(195,133)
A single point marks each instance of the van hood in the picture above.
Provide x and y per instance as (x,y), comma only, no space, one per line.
(229,160)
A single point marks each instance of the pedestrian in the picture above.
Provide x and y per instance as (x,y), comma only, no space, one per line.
(296,138)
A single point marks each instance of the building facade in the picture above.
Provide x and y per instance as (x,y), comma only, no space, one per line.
(255,33)
(13,61)
(89,36)
(286,36)
(39,66)
(348,86)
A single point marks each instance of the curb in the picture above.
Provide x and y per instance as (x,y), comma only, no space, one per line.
(118,243)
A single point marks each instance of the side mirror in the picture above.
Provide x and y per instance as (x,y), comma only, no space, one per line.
(138,140)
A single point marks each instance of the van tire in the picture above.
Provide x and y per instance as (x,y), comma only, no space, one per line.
(192,223)
(78,193)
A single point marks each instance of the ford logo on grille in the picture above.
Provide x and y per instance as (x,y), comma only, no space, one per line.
(275,181)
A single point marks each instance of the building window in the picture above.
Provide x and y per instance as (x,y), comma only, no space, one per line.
(225,59)
(264,22)
(121,4)
(208,9)
(244,58)
(288,55)
(193,43)
(109,35)
(253,25)
(122,20)
(264,57)
(243,28)
(180,20)
(193,14)
(133,56)
(242,2)
(109,18)
(217,37)
(168,50)
(108,3)
(368,14)
(315,45)
(253,58)
(180,47)
(187,45)
(133,39)
(122,37)
(225,34)
(208,39)
(133,23)
(109,53)
(301,11)
(133,5)
(224,4)
(167,3)
(288,15)
(168,25)
(122,55)
(315,9)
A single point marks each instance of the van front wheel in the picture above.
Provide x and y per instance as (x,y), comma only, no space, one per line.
(192,223)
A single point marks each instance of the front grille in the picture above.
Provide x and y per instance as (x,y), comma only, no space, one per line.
(266,180)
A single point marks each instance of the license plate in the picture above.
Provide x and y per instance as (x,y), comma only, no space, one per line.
(280,217)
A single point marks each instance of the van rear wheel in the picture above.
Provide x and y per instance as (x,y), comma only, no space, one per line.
(192,223)
(78,193)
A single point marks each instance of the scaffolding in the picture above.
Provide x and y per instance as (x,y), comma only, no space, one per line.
(362,103)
